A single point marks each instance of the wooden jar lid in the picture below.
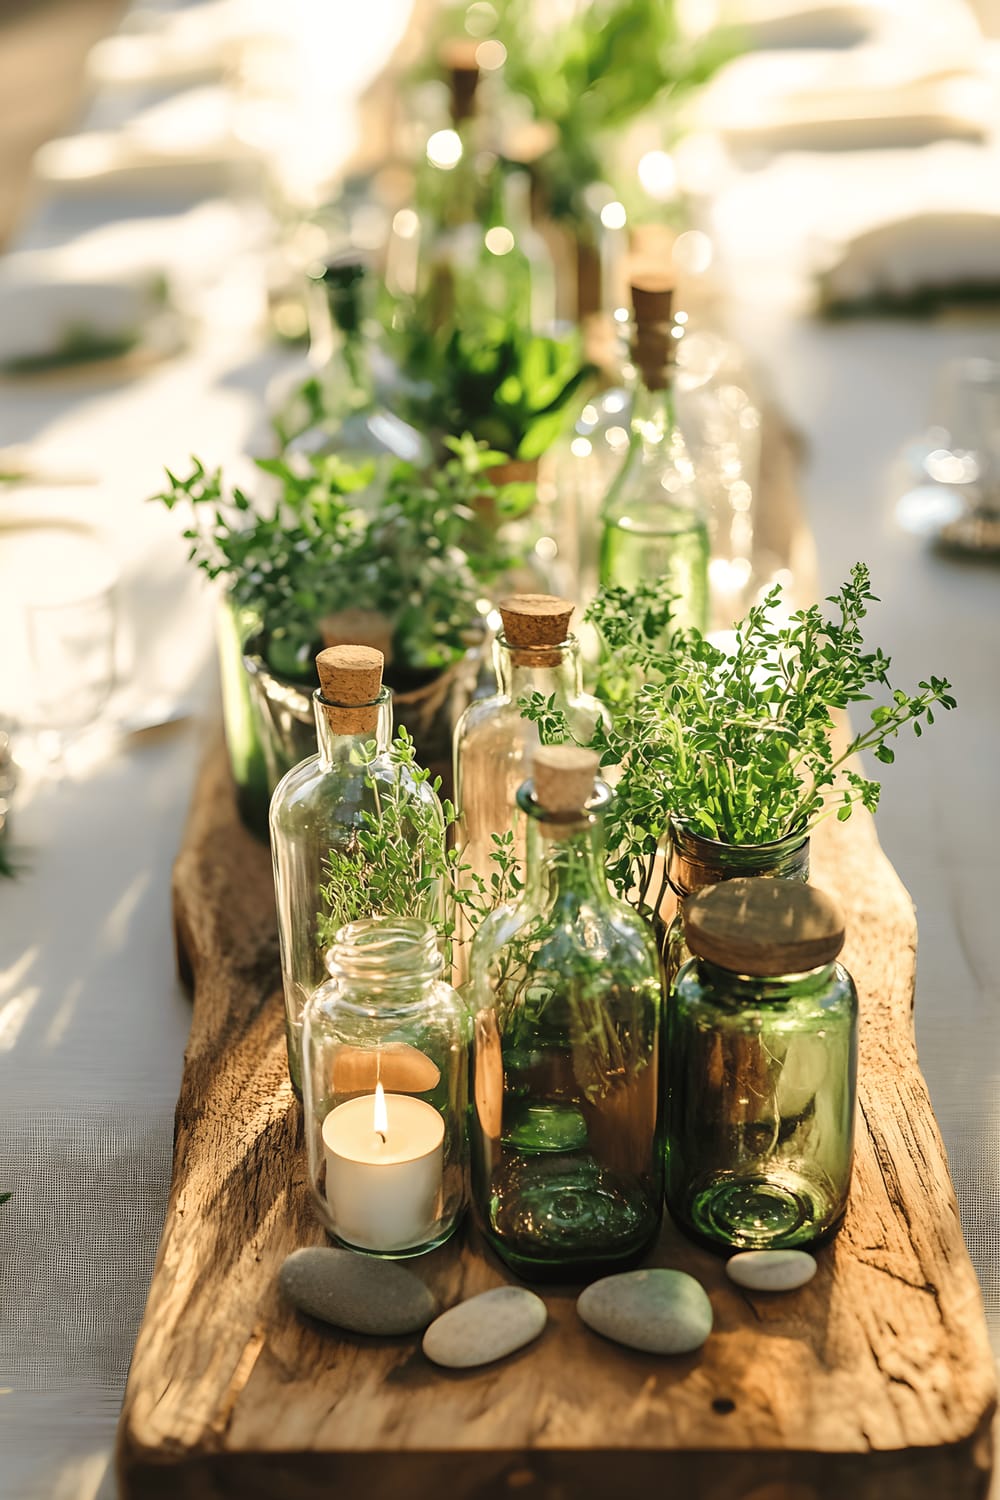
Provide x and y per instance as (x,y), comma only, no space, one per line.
(564,777)
(350,679)
(764,926)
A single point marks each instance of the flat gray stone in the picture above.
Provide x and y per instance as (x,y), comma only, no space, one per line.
(485,1328)
(657,1311)
(771,1270)
(356,1292)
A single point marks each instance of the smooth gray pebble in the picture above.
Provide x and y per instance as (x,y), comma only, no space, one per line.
(771,1270)
(657,1311)
(356,1292)
(485,1328)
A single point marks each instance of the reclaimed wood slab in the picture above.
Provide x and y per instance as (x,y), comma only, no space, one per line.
(874,1381)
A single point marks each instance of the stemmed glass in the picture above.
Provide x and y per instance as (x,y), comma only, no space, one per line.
(71,650)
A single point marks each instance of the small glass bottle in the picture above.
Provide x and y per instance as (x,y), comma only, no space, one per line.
(654,521)
(533,653)
(762,1049)
(385,1090)
(693,863)
(566,1135)
(319,812)
(339,409)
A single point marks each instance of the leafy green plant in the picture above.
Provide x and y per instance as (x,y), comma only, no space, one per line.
(415,550)
(514,391)
(610,62)
(386,870)
(739,744)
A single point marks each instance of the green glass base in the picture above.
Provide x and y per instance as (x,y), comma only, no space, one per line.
(759,1213)
(564,1221)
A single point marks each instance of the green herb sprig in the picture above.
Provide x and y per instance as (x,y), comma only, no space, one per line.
(398,862)
(739,745)
(415,548)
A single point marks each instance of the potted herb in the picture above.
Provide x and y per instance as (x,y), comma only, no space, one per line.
(730,757)
(415,558)
(515,390)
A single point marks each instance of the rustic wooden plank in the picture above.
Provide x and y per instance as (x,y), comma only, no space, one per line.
(876,1378)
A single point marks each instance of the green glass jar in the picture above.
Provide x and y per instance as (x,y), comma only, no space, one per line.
(762,1049)
(385,1090)
(566,1133)
(694,863)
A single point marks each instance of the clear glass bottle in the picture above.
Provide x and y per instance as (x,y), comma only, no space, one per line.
(762,1050)
(692,863)
(323,875)
(566,1135)
(385,1082)
(339,409)
(533,653)
(654,520)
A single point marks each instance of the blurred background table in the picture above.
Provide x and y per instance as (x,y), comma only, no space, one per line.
(92,1022)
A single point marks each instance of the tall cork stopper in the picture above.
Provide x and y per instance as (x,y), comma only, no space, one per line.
(532,622)
(764,927)
(458,61)
(652,344)
(350,679)
(564,778)
(358,627)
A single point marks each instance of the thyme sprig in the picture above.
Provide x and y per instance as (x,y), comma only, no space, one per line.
(398,862)
(739,744)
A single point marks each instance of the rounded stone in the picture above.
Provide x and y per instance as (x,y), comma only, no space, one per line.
(771,1270)
(356,1292)
(657,1311)
(485,1328)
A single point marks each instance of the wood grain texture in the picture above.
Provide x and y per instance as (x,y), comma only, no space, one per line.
(875,1380)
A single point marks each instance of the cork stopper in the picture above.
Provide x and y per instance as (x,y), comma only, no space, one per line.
(457,57)
(652,345)
(531,622)
(350,679)
(764,927)
(564,777)
(358,627)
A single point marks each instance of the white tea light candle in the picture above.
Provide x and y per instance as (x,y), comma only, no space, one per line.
(384,1170)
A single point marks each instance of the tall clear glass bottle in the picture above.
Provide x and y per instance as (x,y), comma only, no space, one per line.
(566,1133)
(323,875)
(654,520)
(762,1048)
(494,743)
(339,408)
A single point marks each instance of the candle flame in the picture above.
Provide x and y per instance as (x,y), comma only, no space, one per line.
(381,1114)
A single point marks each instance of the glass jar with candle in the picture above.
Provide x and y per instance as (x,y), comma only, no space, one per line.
(567,1148)
(324,818)
(385,1086)
(762,1050)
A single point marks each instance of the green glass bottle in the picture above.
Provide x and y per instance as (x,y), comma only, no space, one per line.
(654,520)
(762,1049)
(319,815)
(566,1137)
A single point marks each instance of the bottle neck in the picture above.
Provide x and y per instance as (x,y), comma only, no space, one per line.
(343,744)
(538,669)
(745,989)
(694,862)
(337,344)
(564,860)
(385,964)
(654,408)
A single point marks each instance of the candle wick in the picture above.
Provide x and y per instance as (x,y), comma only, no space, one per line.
(380,1136)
